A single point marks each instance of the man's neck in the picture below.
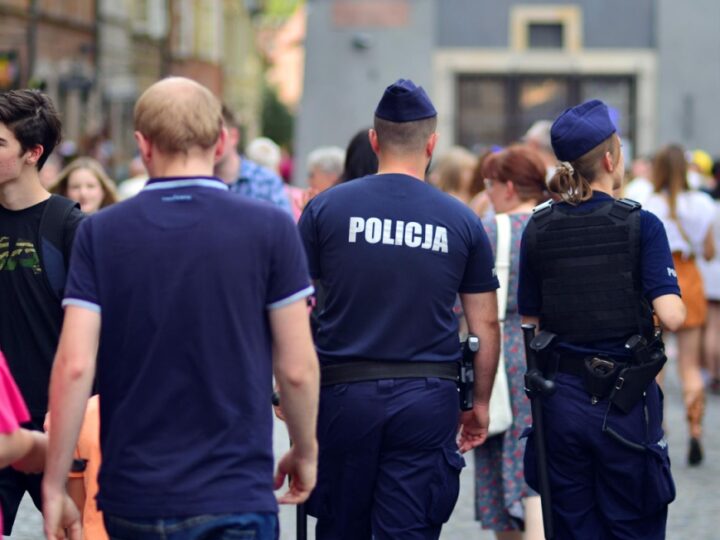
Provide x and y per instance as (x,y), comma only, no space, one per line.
(408,166)
(23,192)
(181,166)
(229,169)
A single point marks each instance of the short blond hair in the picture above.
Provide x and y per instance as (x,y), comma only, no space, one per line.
(177,114)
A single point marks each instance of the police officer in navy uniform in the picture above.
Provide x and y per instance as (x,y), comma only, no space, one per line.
(391,253)
(593,270)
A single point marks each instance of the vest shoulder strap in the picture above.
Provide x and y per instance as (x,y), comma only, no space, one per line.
(542,212)
(622,208)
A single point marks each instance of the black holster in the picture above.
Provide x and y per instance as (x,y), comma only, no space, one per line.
(466,379)
(633,380)
(599,383)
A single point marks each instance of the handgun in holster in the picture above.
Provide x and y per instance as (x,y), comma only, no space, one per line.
(466,380)
(634,379)
(600,376)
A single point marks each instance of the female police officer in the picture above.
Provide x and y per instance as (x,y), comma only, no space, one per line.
(592,271)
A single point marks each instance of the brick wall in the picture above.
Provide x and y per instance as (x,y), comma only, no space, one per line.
(55,43)
(12,39)
(80,11)
(206,73)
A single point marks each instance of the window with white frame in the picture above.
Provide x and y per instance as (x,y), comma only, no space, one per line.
(546,27)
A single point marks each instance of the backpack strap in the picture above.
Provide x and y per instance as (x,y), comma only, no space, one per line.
(52,236)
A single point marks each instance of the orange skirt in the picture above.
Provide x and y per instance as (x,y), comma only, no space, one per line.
(692,290)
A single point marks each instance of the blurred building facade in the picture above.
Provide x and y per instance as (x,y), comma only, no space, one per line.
(493,67)
(281,40)
(95,57)
(52,44)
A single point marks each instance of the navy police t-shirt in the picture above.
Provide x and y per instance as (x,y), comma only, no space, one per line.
(390,253)
(183,275)
(657,271)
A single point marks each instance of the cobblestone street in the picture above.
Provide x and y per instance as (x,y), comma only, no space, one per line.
(354,206)
(694,514)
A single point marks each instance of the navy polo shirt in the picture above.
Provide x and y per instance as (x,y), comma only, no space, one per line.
(391,253)
(657,271)
(183,275)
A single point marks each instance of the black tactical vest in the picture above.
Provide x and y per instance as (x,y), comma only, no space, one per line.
(589,270)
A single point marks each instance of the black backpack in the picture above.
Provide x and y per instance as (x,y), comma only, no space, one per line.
(52,242)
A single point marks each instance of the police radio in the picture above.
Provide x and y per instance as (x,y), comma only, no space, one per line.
(466,382)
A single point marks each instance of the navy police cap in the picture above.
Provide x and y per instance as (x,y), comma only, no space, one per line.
(580,129)
(403,101)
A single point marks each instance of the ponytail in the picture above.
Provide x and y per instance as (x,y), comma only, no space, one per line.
(568,185)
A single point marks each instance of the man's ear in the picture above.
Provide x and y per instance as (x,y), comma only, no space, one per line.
(233,137)
(222,142)
(144,146)
(430,147)
(372,135)
(33,155)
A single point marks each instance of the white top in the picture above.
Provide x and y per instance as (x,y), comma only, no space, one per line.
(695,211)
(711,269)
(639,189)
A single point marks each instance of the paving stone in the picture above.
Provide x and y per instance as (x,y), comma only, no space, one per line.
(694,514)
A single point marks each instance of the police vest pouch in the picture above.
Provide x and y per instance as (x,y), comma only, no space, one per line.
(633,381)
(363,370)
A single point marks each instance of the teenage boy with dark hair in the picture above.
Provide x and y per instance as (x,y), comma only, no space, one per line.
(36,233)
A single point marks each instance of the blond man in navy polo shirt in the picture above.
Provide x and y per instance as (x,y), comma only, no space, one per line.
(187,334)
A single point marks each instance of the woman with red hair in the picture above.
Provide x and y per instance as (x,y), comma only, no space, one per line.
(515,184)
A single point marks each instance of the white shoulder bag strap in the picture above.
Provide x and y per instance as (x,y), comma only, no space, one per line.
(502,262)
(500,407)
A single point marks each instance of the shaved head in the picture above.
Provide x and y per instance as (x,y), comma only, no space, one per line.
(177,114)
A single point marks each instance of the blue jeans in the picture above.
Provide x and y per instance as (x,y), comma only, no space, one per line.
(204,527)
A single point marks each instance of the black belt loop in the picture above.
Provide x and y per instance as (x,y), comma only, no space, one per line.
(372,370)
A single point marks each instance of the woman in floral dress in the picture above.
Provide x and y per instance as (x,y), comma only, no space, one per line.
(515,184)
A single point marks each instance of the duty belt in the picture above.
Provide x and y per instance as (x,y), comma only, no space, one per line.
(599,373)
(343,372)
(572,364)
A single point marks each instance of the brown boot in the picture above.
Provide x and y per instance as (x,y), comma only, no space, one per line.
(695,452)
(695,413)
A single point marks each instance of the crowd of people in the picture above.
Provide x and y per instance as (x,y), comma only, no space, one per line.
(182,303)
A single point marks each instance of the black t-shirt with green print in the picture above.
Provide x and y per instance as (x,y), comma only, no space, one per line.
(30,314)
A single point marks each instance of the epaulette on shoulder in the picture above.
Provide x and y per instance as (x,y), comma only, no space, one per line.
(542,211)
(622,208)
